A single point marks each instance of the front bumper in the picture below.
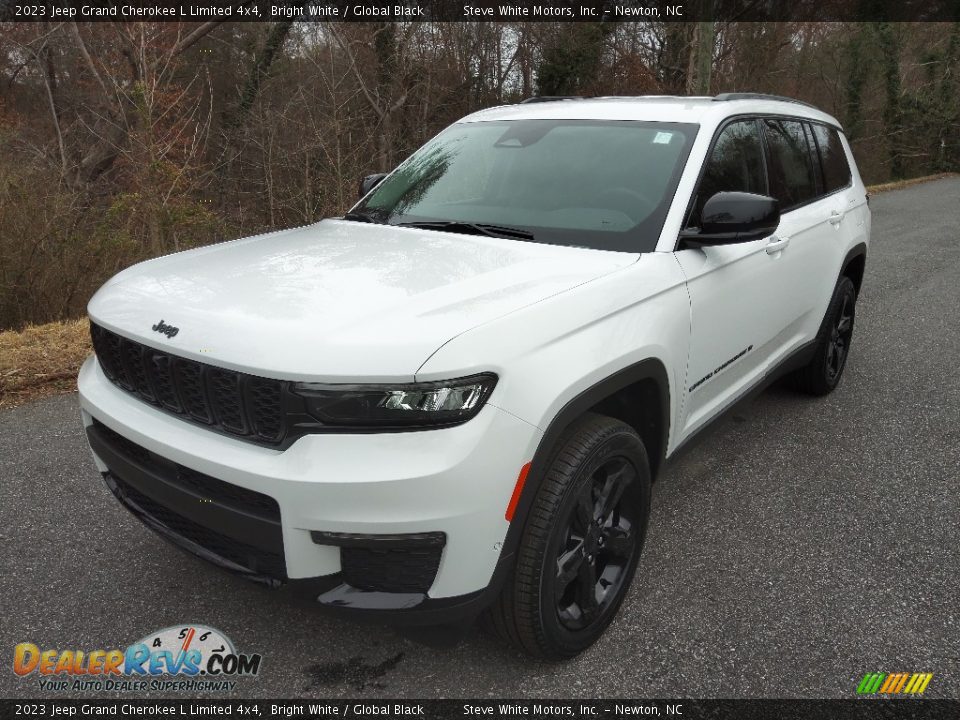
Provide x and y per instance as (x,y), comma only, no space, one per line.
(299,508)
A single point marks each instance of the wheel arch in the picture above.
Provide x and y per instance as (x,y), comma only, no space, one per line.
(854,265)
(638,395)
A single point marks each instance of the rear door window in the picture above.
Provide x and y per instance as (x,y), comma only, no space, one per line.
(789,163)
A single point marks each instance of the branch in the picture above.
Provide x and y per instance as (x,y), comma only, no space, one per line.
(356,71)
(190,40)
(44,72)
(86,56)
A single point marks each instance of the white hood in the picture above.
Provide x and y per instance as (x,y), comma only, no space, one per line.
(336,301)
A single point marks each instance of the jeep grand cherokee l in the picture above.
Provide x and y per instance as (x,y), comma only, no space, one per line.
(453,400)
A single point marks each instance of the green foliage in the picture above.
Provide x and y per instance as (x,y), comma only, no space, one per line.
(58,245)
(570,65)
(856,77)
(892,115)
(137,225)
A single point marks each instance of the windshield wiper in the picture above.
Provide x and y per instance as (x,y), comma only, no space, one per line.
(359,217)
(471,228)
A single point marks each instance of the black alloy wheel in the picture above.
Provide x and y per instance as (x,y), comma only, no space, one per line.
(840,335)
(832,345)
(599,544)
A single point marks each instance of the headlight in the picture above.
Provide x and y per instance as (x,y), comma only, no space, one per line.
(447,402)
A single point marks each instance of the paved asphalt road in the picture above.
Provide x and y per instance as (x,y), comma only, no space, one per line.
(802,544)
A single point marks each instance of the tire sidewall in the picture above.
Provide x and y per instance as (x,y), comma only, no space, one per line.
(623,444)
(844,288)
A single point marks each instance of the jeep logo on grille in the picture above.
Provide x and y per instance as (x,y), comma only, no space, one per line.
(168,330)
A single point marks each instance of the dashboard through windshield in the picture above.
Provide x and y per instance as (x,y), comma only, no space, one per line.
(590,183)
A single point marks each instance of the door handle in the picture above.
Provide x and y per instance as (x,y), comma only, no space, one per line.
(836,217)
(776,244)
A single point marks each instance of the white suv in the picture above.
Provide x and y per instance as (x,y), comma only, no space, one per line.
(455,398)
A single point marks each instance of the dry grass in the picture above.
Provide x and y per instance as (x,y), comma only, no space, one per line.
(898,184)
(41,360)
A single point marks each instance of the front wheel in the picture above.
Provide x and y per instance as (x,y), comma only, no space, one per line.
(822,375)
(580,546)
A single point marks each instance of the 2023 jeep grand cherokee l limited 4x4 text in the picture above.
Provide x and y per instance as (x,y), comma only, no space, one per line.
(455,398)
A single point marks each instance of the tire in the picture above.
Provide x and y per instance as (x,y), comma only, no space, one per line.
(822,374)
(546,608)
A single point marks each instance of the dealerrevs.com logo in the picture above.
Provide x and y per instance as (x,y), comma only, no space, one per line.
(182,657)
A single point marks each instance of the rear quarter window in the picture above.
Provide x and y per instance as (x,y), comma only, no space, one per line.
(833,159)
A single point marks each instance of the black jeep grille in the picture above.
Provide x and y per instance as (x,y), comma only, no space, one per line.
(231,402)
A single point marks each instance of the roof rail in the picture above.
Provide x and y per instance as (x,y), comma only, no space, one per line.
(723,97)
(550,98)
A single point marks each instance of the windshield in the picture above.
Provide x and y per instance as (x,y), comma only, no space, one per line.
(589,183)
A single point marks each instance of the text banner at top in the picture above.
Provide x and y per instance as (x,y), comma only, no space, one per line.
(847,709)
(478,10)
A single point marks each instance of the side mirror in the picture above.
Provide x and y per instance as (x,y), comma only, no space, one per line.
(369,182)
(734,217)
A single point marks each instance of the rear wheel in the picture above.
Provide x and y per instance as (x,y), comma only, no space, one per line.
(580,547)
(822,375)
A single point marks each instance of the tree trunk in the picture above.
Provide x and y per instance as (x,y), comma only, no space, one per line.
(385,49)
(892,112)
(701,59)
(261,67)
(856,77)
(948,156)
